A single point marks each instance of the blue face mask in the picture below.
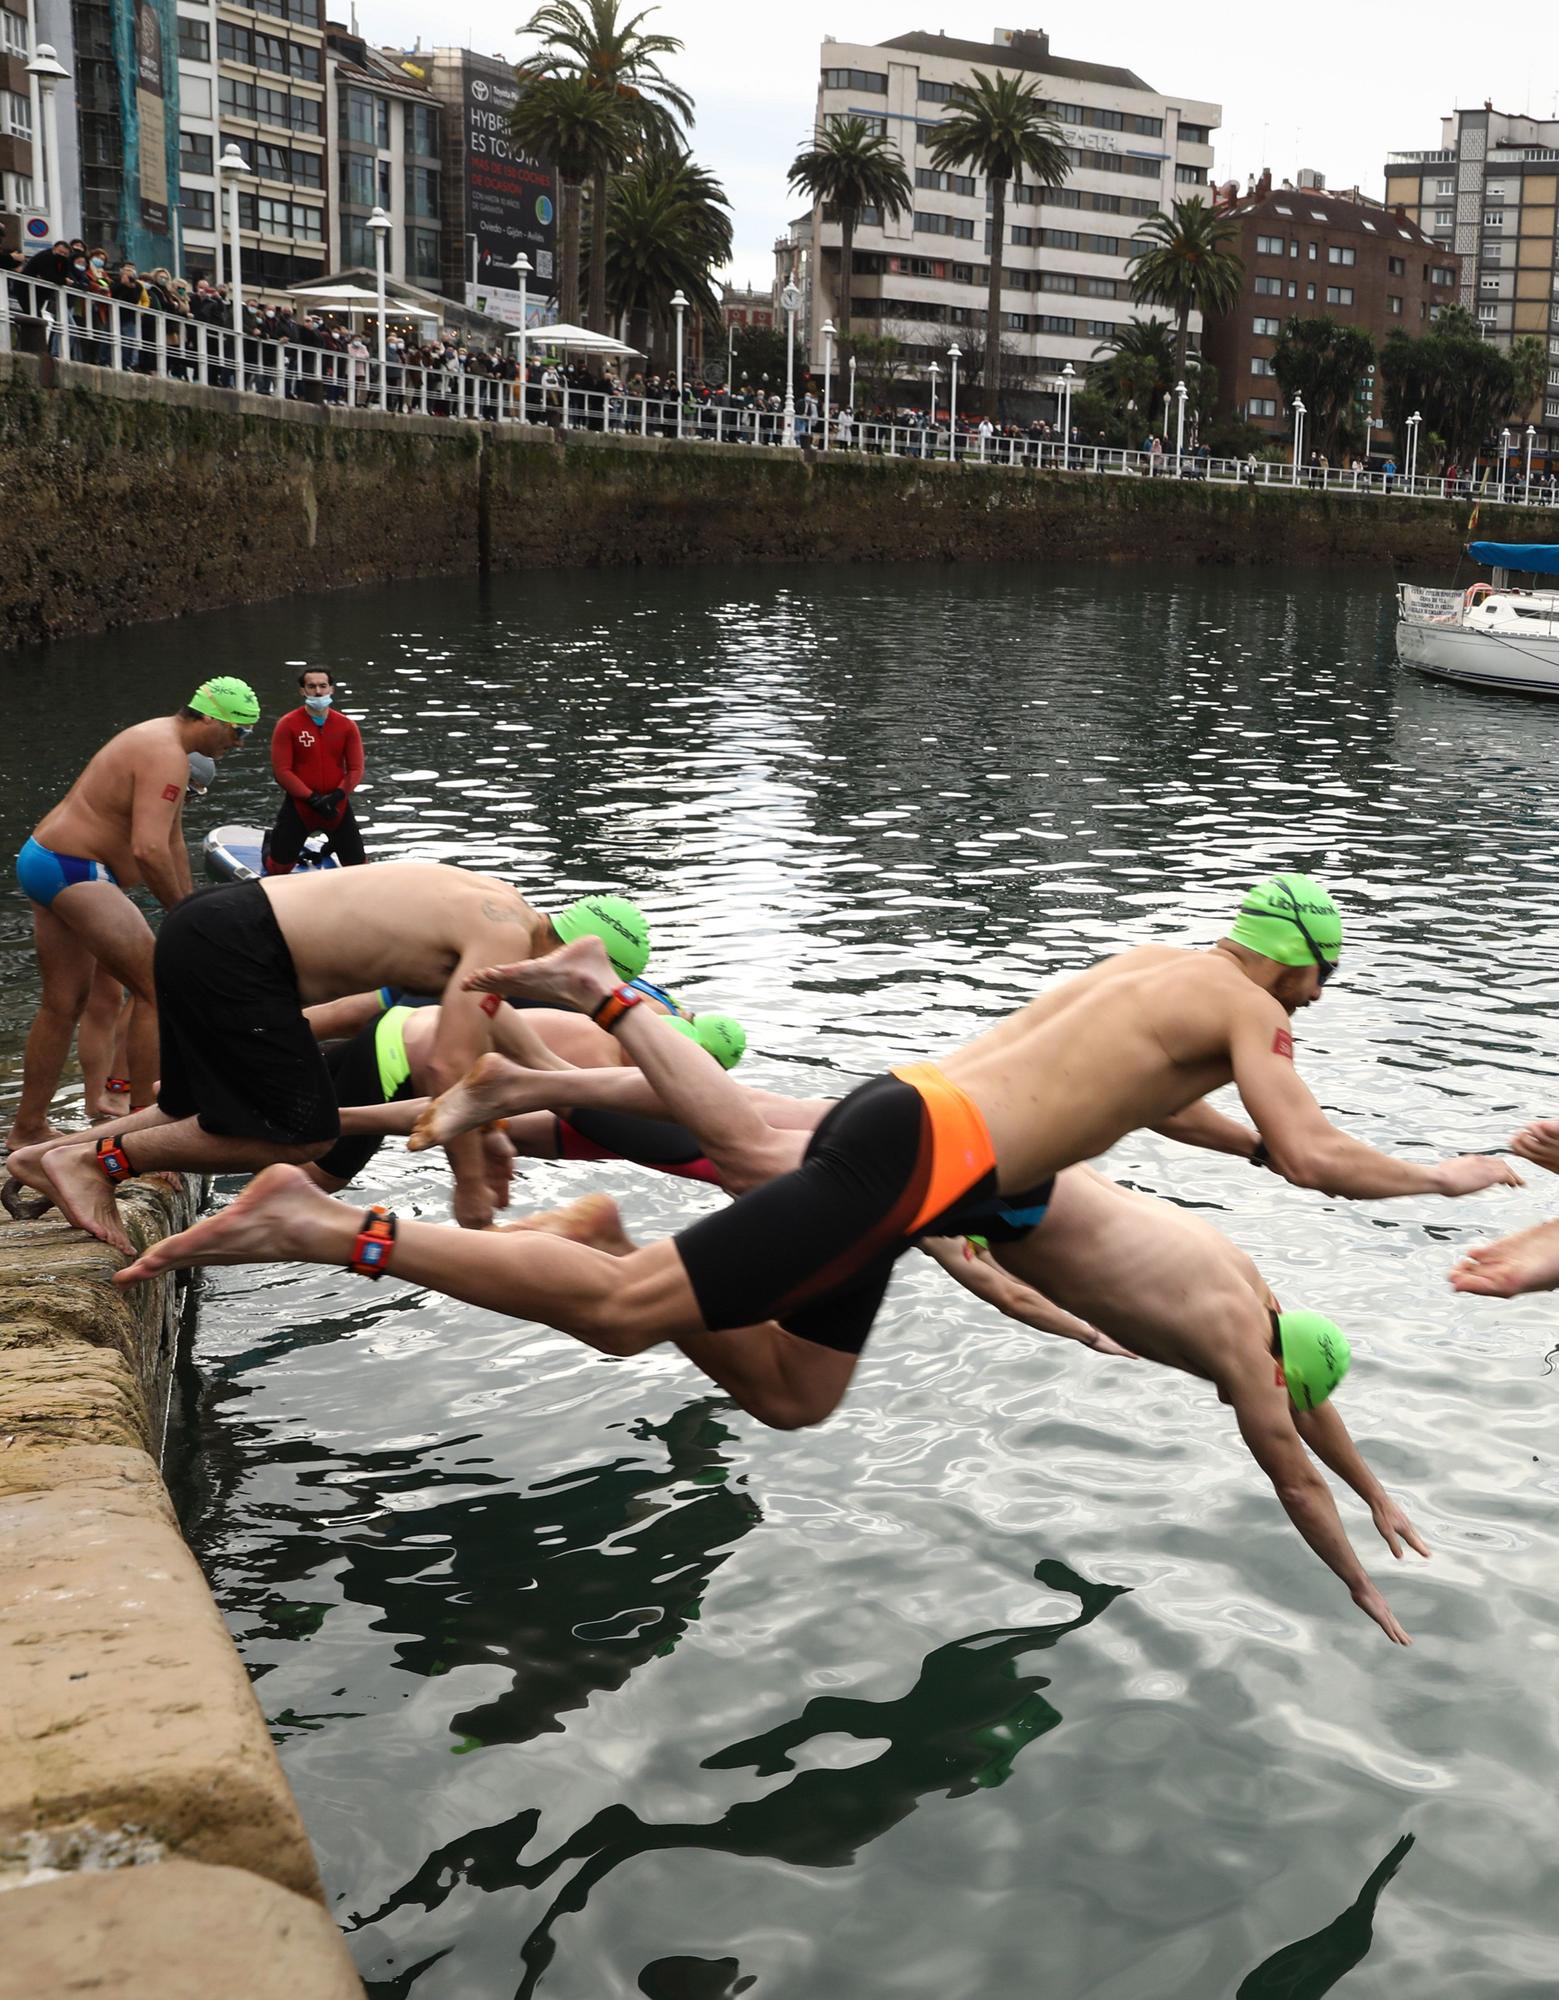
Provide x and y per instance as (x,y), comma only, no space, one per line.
(318,705)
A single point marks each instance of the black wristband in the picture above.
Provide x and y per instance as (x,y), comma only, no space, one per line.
(1259,1156)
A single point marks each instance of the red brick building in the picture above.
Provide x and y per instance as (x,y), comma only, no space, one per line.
(1310,253)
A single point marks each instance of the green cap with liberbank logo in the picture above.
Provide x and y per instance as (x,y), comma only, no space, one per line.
(619,925)
(227,699)
(1285,916)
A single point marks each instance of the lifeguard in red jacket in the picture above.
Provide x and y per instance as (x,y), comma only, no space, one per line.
(317,756)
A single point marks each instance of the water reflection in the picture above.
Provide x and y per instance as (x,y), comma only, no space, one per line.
(1312,1966)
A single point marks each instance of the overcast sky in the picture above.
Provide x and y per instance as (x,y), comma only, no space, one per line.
(1331,87)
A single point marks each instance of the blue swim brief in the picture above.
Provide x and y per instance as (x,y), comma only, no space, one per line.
(42,873)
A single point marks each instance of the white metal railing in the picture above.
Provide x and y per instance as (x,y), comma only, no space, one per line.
(113,334)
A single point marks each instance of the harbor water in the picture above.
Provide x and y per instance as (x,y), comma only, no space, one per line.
(1013,1678)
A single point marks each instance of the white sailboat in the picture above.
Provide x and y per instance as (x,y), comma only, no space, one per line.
(1492,635)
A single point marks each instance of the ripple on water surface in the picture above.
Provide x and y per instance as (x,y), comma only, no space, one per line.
(1013,1678)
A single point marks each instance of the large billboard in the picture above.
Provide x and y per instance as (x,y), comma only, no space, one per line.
(511,197)
(145,37)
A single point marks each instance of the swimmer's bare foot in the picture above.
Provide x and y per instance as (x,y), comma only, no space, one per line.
(593,1220)
(72,1178)
(498,1166)
(578,975)
(21,1136)
(1525,1262)
(1539,1143)
(109,1104)
(486,1091)
(279,1217)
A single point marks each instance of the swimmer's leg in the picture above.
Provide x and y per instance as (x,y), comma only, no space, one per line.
(66,967)
(494,1087)
(99,1035)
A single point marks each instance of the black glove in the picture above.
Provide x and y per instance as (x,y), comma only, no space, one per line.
(334,801)
(322,803)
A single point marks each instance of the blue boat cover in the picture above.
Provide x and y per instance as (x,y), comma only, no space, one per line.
(1541,558)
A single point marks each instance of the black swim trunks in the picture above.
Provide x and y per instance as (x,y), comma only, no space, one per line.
(236,1051)
(904,1156)
(594,1133)
(370,1067)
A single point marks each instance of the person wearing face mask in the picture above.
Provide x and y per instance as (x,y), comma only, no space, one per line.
(317,759)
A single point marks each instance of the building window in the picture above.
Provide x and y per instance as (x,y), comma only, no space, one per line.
(1494,218)
(1492,193)
(1488,284)
(1310,293)
(1262,406)
(422,130)
(1268,287)
(1146,128)
(308,169)
(943,225)
(194,39)
(1261,365)
(1337,295)
(940,183)
(1195,135)
(195,153)
(303,61)
(1279,209)
(14,29)
(1191,176)
(1393,305)
(1441,274)
(1487,312)
(422,193)
(1103,329)
(1293,247)
(1269,246)
(235,97)
(234,44)
(856,79)
(1101,288)
(272,162)
(1341,253)
(1319,215)
(197,209)
(1444,188)
(367,119)
(422,254)
(357,250)
(270,52)
(1312,251)
(933,93)
(1267,329)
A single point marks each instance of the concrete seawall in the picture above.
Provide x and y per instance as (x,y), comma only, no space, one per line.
(130,498)
(149,1845)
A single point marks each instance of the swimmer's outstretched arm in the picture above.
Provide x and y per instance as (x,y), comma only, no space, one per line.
(1324,1431)
(1200,1125)
(978,1272)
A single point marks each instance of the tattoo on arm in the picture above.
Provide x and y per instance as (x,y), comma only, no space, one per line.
(502,913)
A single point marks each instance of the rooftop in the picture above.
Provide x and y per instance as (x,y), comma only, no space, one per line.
(1026,52)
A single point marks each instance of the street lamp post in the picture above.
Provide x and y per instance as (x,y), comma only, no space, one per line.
(1371,423)
(1299,437)
(1531,440)
(934,371)
(381,226)
(46,71)
(522,272)
(955,354)
(852,396)
(1068,377)
(233,164)
(1413,423)
(679,307)
(1504,458)
(1180,395)
(790,299)
(828,375)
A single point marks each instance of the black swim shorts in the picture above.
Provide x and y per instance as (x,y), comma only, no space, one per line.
(236,1051)
(594,1132)
(903,1156)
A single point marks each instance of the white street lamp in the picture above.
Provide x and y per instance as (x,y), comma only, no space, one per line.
(233,163)
(955,354)
(1180,395)
(1371,423)
(1531,440)
(522,269)
(381,226)
(828,374)
(1299,437)
(852,395)
(1068,377)
(1167,394)
(46,71)
(679,307)
(1413,423)
(790,299)
(1504,457)
(934,371)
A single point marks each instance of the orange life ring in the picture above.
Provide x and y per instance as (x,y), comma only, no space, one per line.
(1475,594)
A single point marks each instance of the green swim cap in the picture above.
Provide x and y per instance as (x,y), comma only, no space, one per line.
(1276,915)
(1315,1356)
(616,922)
(226,699)
(721,1035)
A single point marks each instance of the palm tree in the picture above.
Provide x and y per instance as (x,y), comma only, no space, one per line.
(591,39)
(567,121)
(1134,371)
(668,226)
(1185,263)
(1529,358)
(998,126)
(848,167)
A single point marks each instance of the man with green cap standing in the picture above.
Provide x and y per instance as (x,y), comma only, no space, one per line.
(118,827)
(242,1081)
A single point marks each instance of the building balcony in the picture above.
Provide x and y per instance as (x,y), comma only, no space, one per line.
(1444,156)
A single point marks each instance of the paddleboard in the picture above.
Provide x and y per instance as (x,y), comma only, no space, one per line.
(233,854)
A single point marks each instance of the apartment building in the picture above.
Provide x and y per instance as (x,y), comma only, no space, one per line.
(253,76)
(384,134)
(922,276)
(17,110)
(1310,254)
(1487,194)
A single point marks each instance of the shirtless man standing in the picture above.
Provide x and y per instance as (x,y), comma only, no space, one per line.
(243,1081)
(120,825)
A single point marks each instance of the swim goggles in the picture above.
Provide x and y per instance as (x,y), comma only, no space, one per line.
(1324,967)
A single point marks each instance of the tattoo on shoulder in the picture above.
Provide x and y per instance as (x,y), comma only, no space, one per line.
(503,913)
(1283,1043)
